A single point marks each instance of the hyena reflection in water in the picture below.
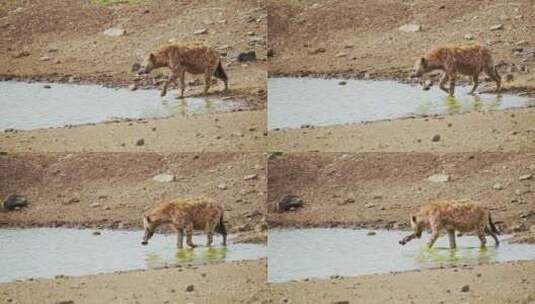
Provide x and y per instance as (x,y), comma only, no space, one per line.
(191,58)
(186,215)
(463,216)
(452,60)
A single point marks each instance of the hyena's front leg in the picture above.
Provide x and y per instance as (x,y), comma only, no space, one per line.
(442,82)
(452,79)
(207,80)
(451,235)
(475,80)
(482,237)
(434,236)
(189,235)
(166,84)
(182,74)
(209,234)
(180,238)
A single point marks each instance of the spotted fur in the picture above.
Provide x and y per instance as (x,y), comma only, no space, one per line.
(466,60)
(186,215)
(191,58)
(463,216)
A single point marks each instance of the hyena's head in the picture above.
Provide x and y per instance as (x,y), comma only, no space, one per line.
(418,224)
(149,225)
(148,65)
(421,67)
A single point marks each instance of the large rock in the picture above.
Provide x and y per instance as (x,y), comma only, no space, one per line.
(164,178)
(114,32)
(290,202)
(247,56)
(410,28)
(439,178)
(13,202)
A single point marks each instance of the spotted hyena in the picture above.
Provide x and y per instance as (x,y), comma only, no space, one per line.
(192,58)
(453,60)
(463,216)
(185,215)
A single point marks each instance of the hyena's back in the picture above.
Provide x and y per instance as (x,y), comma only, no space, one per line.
(468,60)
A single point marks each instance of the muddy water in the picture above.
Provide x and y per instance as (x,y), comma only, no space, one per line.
(31,105)
(321,253)
(293,102)
(46,252)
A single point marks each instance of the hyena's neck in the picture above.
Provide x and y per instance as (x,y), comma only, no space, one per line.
(435,61)
(161,60)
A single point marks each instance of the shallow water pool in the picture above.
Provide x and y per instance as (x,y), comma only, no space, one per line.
(46,252)
(293,102)
(31,105)
(321,253)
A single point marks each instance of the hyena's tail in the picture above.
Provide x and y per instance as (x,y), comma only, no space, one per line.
(221,229)
(220,73)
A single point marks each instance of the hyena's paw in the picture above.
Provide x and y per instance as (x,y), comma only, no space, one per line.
(163,93)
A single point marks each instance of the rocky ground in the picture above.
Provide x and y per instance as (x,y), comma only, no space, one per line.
(244,131)
(66,42)
(380,190)
(237,282)
(499,283)
(112,190)
(360,39)
(508,130)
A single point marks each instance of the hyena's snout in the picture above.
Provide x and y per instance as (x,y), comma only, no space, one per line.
(148,234)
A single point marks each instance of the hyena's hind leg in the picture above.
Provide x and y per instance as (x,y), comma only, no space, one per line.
(493,74)
(451,235)
(496,241)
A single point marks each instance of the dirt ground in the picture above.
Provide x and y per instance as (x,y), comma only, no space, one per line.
(237,282)
(244,282)
(243,131)
(65,42)
(362,39)
(71,34)
(381,190)
(112,190)
(508,130)
(499,283)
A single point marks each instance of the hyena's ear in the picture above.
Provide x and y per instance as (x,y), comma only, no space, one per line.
(413,218)
(152,57)
(423,62)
